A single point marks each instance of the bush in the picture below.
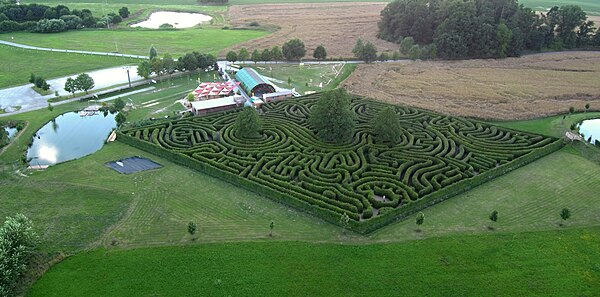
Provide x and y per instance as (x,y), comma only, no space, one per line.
(51,26)
(17,243)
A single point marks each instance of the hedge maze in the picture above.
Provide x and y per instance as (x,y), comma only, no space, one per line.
(438,157)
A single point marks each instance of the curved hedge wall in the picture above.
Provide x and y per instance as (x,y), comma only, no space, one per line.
(438,157)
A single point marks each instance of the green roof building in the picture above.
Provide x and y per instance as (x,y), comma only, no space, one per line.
(253,83)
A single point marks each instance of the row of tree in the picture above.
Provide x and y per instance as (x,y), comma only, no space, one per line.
(50,19)
(483,28)
(292,50)
(167,65)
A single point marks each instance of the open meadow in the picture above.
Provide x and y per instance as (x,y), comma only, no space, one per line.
(514,88)
(336,26)
(17,64)
(138,41)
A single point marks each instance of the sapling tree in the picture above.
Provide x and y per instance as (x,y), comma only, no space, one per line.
(271,226)
(191,228)
(565,214)
(419,220)
(493,218)
(344,220)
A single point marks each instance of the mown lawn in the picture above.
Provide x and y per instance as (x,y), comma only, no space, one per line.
(17,64)
(307,77)
(138,41)
(554,263)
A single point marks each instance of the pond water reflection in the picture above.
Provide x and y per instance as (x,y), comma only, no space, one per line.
(590,128)
(70,136)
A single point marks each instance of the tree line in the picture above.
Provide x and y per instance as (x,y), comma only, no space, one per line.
(50,19)
(453,29)
(167,65)
(292,50)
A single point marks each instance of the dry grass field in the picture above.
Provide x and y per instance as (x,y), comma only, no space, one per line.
(514,88)
(334,25)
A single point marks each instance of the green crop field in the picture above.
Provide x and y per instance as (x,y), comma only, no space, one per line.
(373,184)
(176,42)
(556,263)
(592,7)
(17,64)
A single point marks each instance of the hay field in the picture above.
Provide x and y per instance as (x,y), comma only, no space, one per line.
(514,88)
(334,25)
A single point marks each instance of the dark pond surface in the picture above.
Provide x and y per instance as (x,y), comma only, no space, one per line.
(70,136)
(590,128)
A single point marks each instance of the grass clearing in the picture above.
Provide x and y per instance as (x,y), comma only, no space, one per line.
(138,41)
(556,263)
(17,64)
(514,88)
(306,78)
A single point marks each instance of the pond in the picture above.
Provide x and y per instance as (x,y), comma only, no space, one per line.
(590,128)
(70,136)
(11,132)
(177,19)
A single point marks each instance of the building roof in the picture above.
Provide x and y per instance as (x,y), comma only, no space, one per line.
(277,94)
(221,89)
(213,103)
(250,78)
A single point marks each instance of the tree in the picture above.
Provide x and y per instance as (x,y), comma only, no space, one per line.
(571,109)
(271,226)
(231,56)
(50,107)
(266,55)
(120,118)
(293,49)
(332,117)
(386,125)
(191,97)
(157,66)
(71,86)
(244,55)
(124,12)
(504,36)
(344,220)
(119,104)
(191,228)
(493,218)
(168,63)
(144,69)
(419,220)
(369,53)
(406,44)
(85,82)
(256,56)
(320,53)
(587,107)
(17,243)
(358,49)
(248,124)
(415,52)
(153,53)
(276,54)
(190,63)
(565,213)
(569,17)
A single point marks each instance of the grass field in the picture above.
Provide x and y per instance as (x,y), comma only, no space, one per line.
(556,263)
(592,7)
(176,42)
(17,64)
(308,77)
(515,88)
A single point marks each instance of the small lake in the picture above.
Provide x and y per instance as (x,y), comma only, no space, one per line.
(590,128)
(177,19)
(11,132)
(70,136)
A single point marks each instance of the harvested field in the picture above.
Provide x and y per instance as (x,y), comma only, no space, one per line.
(514,88)
(334,25)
